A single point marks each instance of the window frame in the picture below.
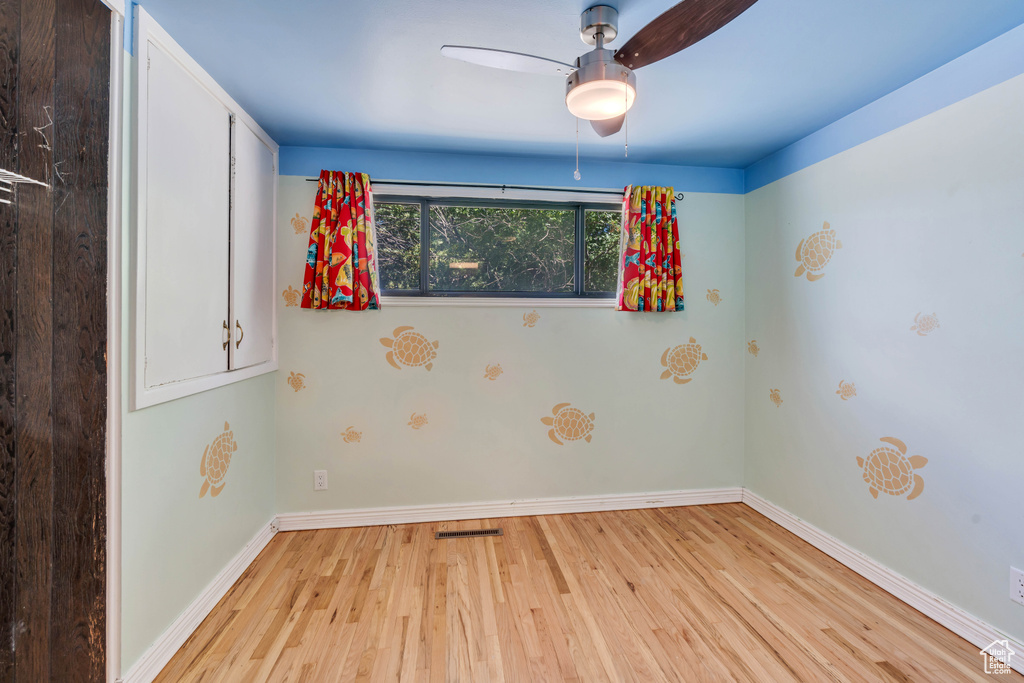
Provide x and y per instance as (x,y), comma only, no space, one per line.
(425,294)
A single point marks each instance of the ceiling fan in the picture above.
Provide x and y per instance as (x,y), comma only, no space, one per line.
(601,86)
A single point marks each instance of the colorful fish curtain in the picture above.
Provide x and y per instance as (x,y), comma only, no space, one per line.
(341,262)
(650,268)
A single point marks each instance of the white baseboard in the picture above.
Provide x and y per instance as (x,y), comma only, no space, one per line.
(159,653)
(333,519)
(965,625)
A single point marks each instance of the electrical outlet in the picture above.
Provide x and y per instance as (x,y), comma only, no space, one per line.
(1016,585)
(319,480)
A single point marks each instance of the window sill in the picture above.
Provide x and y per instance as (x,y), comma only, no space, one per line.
(496,302)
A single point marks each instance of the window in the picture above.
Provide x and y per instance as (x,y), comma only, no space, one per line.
(464,247)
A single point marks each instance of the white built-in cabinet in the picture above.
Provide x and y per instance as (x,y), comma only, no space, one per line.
(205,190)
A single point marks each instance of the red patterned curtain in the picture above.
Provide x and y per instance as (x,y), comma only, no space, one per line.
(650,265)
(341,262)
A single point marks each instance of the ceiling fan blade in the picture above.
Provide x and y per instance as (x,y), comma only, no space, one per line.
(680,27)
(606,127)
(502,59)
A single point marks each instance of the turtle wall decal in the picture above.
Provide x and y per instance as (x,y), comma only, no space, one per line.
(530,319)
(775,396)
(815,252)
(417,421)
(846,390)
(925,324)
(888,469)
(410,349)
(297,381)
(291,296)
(714,296)
(753,348)
(681,361)
(351,435)
(568,424)
(216,459)
(299,224)
(493,371)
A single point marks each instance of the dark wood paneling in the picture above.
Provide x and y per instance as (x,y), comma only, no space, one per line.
(10,23)
(34,450)
(77,634)
(54,109)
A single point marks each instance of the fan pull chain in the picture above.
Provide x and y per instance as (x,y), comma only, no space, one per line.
(576,173)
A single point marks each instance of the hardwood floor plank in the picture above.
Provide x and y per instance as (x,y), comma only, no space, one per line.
(709,593)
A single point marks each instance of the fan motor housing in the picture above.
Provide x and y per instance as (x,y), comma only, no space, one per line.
(599,19)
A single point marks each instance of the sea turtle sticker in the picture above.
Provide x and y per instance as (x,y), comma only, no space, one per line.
(215,462)
(815,252)
(682,361)
(846,390)
(888,469)
(925,324)
(297,381)
(568,424)
(410,349)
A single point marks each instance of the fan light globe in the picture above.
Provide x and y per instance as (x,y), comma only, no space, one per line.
(601,99)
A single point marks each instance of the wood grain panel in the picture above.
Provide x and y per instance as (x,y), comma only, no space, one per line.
(54,112)
(35,343)
(10,31)
(81,116)
(709,593)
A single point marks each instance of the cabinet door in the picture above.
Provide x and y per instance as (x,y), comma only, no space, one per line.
(187,177)
(252,248)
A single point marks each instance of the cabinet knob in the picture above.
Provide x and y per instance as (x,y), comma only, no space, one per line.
(227,336)
(241,334)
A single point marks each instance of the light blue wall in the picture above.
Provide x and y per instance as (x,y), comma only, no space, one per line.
(485,440)
(931,220)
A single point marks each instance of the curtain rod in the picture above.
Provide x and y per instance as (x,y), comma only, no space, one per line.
(678,195)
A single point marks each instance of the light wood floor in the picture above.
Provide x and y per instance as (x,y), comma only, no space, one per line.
(709,593)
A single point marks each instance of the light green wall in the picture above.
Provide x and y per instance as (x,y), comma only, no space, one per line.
(484,439)
(931,218)
(174,542)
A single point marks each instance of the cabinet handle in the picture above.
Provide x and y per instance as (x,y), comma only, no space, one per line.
(241,334)
(227,336)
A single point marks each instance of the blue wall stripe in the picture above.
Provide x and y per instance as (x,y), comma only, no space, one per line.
(996,61)
(129,27)
(470,168)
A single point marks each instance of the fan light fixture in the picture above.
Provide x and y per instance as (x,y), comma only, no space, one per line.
(599,100)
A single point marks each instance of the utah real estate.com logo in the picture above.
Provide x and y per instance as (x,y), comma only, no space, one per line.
(997,657)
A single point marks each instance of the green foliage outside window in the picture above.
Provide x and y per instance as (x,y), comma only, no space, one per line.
(496,249)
